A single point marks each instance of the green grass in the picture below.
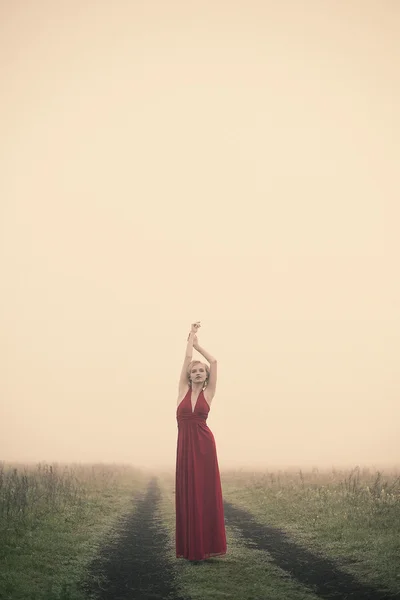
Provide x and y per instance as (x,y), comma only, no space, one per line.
(243,574)
(353,516)
(53,521)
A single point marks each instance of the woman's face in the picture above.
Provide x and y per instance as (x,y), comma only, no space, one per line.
(198,373)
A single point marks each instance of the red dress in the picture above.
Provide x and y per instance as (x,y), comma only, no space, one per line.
(200,524)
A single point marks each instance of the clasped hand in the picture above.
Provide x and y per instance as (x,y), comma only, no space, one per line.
(193,332)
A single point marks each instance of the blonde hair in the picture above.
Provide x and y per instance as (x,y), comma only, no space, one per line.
(190,366)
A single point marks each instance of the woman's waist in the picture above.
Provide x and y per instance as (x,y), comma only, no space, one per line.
(191,419)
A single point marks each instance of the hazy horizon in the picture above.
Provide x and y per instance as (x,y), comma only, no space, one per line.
(233,163)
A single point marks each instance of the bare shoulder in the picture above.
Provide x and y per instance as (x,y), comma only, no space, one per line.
(182,393)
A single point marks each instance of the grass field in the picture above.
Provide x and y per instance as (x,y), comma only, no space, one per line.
(53,520)
(79,532)
(351,516)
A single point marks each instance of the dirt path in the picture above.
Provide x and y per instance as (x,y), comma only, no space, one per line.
(136,565)
(320,574)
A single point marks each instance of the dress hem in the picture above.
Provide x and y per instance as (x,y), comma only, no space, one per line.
(209,555)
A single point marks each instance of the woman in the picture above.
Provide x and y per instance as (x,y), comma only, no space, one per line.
(200,526)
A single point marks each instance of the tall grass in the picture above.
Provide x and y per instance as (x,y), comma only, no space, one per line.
(53,520)
(377,486)
(302,497)
(29,493)
(350,515)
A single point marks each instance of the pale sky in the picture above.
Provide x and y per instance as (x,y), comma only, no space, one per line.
(230,162)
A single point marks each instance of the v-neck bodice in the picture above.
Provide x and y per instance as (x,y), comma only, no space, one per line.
(197,400)
(185,411)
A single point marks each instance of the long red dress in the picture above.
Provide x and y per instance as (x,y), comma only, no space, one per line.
(200,524)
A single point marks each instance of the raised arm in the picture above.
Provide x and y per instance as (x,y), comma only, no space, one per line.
(212,380)
(183,381)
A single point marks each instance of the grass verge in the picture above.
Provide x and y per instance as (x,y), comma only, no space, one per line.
(352,516)
(53,521)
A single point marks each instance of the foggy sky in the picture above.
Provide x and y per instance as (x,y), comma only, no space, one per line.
(230,162)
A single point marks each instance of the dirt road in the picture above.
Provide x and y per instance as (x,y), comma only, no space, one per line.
(136,566)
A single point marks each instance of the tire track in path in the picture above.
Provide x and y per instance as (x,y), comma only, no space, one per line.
(322,575)
(135,565)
